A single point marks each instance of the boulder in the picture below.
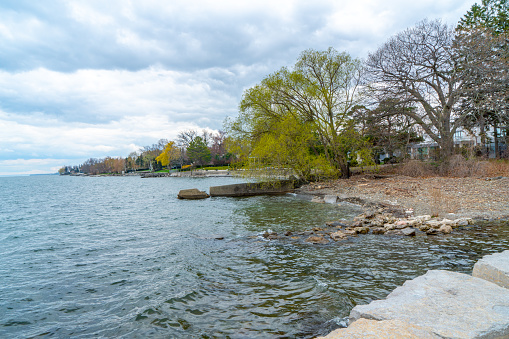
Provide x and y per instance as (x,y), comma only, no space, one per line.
(434,223)
(317,240)
(337,223)
(378,230)
(450,304)
(393,232)
(330,199)
(361,230)
(409,231)
(400,224)
(192,194)
(413,222)
(446,229)
(389,226)
(385,329)
(317,199)
(423,218)
(448,222)
(494,268)
(336,236)
(463,221)
(424,227)
(432,231)
(350,232)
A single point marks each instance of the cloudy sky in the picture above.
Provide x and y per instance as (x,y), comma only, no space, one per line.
(82,79)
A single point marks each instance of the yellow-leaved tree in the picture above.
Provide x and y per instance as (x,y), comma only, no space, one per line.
(169,155)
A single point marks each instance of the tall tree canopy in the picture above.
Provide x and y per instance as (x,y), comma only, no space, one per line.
(493,14)
(482,45)
(418,67)
(318,94)
(198,151)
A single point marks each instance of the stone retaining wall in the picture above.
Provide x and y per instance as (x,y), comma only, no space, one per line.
(440,304)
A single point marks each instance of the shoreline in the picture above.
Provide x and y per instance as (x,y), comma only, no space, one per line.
(451,198)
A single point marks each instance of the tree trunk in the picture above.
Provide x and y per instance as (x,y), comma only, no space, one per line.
(495,136)
(446,146)
(483,138)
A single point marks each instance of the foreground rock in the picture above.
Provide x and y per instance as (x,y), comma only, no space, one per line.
(192,194)
(372,329)
(494,268)
(448,304)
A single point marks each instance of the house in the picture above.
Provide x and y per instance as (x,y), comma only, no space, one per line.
(462,139)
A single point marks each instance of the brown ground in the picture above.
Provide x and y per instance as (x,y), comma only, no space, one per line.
(452,198)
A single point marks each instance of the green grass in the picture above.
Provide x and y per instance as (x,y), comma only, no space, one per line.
(215,168)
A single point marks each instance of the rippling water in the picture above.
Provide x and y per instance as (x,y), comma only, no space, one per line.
(122,256)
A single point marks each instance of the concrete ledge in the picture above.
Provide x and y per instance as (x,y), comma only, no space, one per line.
(494,268)
(252,189)
(192,194)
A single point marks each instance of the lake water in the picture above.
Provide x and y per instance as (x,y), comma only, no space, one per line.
(123,257)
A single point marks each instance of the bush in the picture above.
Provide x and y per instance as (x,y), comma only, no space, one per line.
(416,168)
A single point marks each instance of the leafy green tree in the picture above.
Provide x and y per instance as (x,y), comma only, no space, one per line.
(198,152)
(483,50)
(493,14)
(320,92)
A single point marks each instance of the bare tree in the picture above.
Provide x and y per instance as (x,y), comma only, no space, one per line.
(419,67)
(184,138)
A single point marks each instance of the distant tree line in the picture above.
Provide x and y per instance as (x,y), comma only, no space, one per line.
(190,148)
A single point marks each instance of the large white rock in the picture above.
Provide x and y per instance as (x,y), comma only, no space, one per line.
(450,304)
(330,199)
(494,268)
(386,329)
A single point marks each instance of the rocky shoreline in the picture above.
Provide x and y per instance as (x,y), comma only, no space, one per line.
(444,197)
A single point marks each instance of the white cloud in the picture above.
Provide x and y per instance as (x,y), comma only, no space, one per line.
(96,78)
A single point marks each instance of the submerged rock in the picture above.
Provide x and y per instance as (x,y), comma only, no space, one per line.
(337,223)
(393,232)
(361,230)
(432,231)
(336,236)
(317,240)
(409,231)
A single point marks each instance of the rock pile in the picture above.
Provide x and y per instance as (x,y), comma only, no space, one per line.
(381,222)
(372,222)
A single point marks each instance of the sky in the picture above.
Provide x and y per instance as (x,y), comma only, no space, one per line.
(90,79)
